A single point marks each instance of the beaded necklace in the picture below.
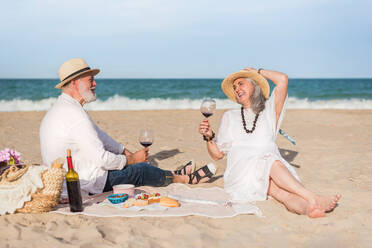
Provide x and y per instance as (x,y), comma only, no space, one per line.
(244,123)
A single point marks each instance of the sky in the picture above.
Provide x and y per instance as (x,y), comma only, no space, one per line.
(187,39)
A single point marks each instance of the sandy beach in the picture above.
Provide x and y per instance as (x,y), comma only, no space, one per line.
(332,155)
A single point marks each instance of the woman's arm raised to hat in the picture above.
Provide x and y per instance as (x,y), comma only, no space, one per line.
(281,87)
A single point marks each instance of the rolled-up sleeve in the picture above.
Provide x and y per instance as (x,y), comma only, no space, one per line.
(92,149)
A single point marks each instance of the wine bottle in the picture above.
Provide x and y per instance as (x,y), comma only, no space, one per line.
(73,186)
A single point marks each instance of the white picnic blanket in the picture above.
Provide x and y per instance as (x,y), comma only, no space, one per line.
(208,202)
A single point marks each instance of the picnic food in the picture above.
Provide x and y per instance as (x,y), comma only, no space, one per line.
(129,203)
(141,203)
(117,195)
(144,199)
(143,196)
(58,163)
(151,198)
(169,202)
(154,198)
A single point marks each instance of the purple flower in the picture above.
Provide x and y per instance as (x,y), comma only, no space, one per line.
(7,154)
(4,156)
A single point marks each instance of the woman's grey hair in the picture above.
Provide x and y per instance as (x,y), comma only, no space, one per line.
(257,98)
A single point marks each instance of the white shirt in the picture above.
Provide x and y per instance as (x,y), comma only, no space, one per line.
(67,125)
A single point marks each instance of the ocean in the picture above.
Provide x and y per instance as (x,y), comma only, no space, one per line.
(148,94)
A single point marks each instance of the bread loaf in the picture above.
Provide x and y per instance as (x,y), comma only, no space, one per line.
(169,202)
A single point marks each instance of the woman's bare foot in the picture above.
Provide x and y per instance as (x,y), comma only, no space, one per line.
(325,203)
(314,212)
(333,203)
(319,205)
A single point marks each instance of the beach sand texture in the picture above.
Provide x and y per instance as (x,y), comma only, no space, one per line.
(333,155)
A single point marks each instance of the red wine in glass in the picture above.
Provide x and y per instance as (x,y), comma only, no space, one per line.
(146,144)
(146,137)
(206,114)
(208,107)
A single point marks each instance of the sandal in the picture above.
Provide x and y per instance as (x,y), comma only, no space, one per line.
(182,169)
(209,170)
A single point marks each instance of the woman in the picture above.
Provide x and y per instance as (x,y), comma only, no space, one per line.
(255,167)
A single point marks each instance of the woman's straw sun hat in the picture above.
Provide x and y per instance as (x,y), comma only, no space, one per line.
(227,83)
(72,69)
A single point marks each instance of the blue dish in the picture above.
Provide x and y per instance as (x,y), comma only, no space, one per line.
(118,198)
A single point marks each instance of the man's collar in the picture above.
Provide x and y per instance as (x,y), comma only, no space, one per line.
(69,98)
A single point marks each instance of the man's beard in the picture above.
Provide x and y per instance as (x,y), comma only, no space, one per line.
(86,94)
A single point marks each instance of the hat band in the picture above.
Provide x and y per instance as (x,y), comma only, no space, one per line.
(77,72)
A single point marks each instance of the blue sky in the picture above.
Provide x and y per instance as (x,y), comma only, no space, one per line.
(186,39)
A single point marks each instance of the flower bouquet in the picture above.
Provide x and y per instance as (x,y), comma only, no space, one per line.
(9,157)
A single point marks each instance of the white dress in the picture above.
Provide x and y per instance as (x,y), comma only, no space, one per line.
(250,156)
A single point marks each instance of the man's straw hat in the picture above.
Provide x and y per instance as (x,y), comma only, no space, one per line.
(72,69)
(227,83)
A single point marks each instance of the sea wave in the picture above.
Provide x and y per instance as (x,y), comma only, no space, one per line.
(124,103)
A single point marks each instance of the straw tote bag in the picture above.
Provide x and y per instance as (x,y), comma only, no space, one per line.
(30,188)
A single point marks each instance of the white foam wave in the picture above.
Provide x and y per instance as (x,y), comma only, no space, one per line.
(354,103)
(124,103)
(26,105)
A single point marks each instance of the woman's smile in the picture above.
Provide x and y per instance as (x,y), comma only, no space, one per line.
(243,89)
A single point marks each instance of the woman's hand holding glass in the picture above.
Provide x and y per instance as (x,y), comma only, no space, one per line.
(207,108)
(205,128)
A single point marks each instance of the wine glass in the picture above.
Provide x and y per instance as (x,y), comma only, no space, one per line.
(208,107)
(146,137)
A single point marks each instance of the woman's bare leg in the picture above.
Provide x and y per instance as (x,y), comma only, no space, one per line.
(293,202)
(285,180)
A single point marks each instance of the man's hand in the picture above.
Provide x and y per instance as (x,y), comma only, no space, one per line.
(126,152)
(138,157)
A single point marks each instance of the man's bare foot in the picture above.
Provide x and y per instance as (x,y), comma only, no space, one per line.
(186,178)
(203,174)
(314,212)
(203,178)
(189,169)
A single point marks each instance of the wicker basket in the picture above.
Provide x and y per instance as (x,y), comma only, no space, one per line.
(44,199)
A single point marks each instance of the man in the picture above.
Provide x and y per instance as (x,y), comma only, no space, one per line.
(100,161)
